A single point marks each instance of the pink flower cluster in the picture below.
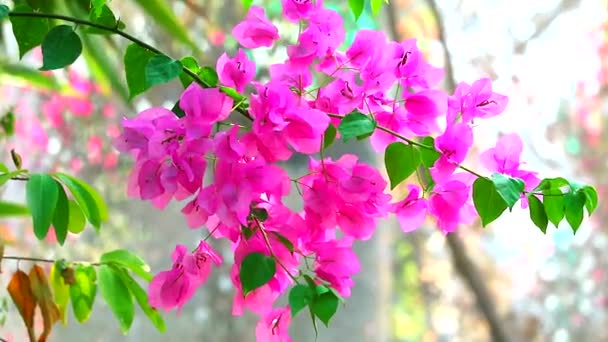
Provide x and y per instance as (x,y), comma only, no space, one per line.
(343,199)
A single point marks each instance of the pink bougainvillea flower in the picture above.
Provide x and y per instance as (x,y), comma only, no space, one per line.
(453,145)
(274,326)
(336,263)
(256,30)
(203,108)
(235,72)
(412,211)
(446,203)
(295,10)
(475,101)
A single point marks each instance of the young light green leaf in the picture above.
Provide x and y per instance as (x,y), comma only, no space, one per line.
(574,206)
(356,6)
(117,295)
(8,209)
(553,200)
(537,213)
(552,183)
(161,69)
(256,270)
(61,218)
(83,291)
(61,290)
(76,219)
(591,198)
(28,32)
(136,58)
(191,64)
(98,7)
(7,124)
(42,192)
(129,260)
(235,95)
(325,306)
(208,75)
(376,6)
(89,200)
(401,161)
(6,176)
(247,4)
(142,299)
(510,189)
(299,297)
(356,124)
(329,136)
(60,48)
(488,202)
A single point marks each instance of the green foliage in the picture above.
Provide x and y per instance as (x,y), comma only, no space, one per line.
(356,6)
(18,74)
(324,304)
(7,124)
(401,161)
(136,59)
(356,124)
(161,69)
(117,295)
(8,209)
(208,75)
(142,300)
(102,16)
(555,207)
(83,291)
(247,4)
(42,192)
(300,296)
(127,259)
(98,7)
(4,11)
(488,201)
(89,200)
(537,213)
(428,156)
(61,217)
(61,290)
(376,6)
(60,48)
(76,219)
(509,188)
(256,270)
(29,33)
(283,240)
(191,64)
(329,136)
(574,208)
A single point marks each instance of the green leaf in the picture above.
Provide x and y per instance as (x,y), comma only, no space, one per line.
(142,299)
(61,290)
(8,209)
(6,176)
(4,11)
(28,32)
(247,4)
(574,208)
(177,110)
(510,189)
(401,161)
(553,201)
(129,260)
(136,59)
(488,202)
(83,291)
(376,6)
(355,124)
(76,220)
(117,295)
(191,64)
(256,270)
(98,7)
(356,6)
(591,199)
(161,69)
(299,297)
(329,136)
(21,75)
(42,192)
(208,75)
(428,156)
(61,218)
(325,306)
(552,183)
(537,213)
(89,200)
(285,241)
(102,16)
(260,213)
(235,95)
(60,48)
(165,17)
(7,122)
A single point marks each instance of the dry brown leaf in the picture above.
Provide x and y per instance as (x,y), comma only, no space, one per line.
(21,292)
(44,297)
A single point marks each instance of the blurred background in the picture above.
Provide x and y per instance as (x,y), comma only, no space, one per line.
(506,282)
